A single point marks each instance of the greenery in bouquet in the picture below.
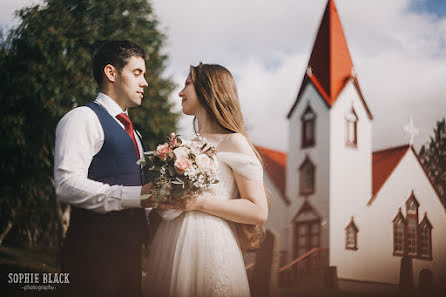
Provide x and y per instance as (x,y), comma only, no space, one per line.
(180,169)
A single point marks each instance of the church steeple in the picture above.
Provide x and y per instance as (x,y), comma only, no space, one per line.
(330,60)
(330,67)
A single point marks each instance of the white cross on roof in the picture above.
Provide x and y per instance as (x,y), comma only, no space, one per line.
(411,130)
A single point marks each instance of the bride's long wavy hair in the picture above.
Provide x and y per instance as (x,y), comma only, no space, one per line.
(217,92)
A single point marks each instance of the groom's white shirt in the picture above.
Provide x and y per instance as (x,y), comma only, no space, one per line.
(79,136)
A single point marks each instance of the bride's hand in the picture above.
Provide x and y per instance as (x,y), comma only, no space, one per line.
(187,205)
(193,204)
(167,205)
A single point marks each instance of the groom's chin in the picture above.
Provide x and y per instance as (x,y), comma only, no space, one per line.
(137,102)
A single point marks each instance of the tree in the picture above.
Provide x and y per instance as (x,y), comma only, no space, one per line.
(46,71)
(433,157)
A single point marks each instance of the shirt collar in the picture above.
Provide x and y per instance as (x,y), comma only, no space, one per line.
(110,105)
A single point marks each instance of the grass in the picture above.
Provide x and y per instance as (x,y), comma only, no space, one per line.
(32,260)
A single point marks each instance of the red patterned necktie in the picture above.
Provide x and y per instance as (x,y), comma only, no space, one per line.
(125,120)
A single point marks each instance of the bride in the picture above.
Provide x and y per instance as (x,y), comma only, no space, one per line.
(199,252)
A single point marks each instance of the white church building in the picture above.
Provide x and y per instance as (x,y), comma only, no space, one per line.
(331,193)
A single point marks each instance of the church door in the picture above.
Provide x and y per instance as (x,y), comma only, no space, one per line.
(306,236)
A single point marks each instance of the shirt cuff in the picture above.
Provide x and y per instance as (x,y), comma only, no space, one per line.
(130,197)
(147,212)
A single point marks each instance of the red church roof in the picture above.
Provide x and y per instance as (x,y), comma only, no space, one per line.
(384,162)
(330,67)
(275,166)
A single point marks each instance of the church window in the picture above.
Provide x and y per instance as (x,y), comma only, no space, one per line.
(412,227)
(412,205)
(351,127)
(425,238)
(351,236)
(308,120)
(412,234)
(307,230)
(307,177)
(398,234)
(409,237)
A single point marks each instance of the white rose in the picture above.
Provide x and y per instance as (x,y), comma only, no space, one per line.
(181,153)
(202,161)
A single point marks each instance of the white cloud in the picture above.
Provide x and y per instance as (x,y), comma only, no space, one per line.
(266,97)
(399,56)
(7,9)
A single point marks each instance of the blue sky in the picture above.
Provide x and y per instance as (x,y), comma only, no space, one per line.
(437,7)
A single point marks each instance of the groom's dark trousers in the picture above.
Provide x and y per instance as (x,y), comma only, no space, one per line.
(102,252)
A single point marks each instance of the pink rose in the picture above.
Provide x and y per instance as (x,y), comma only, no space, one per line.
(181,165)
(163,150)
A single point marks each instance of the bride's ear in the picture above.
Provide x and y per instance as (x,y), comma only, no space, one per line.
(110,72)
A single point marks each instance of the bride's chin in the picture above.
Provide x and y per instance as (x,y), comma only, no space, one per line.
(188,112)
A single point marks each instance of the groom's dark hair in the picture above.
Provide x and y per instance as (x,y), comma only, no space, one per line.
(116,53)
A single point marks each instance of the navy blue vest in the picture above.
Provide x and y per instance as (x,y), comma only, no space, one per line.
(114,164)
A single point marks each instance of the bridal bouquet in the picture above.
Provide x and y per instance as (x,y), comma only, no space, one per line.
(180,169)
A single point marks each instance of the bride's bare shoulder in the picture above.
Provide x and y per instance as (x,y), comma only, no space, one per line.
(237,143)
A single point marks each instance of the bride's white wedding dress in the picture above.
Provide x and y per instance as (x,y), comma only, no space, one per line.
(197,254)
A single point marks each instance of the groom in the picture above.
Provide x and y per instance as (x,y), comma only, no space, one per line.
(95,171)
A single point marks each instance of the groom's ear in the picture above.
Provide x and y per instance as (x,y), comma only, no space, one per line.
(110,72)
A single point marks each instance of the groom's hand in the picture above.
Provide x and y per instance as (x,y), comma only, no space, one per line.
(146,189)
(147,203)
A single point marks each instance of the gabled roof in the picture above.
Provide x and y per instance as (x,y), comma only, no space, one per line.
(410,199)
(426,221)
(383,164)
(275,166)
(352,225)
(330,67)
(307,207)
(398,216)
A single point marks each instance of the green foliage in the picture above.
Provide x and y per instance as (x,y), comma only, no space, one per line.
(433,157)
(46,70)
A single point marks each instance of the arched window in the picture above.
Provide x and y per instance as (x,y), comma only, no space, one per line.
(351,236)
(425,238)
(307,229)
(412,235)
(351,128)
(412,205)
(410,238)
(307,177)
(412,225)
(308,121)
(398,234)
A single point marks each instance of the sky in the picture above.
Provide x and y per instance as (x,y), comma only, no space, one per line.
(398,49)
